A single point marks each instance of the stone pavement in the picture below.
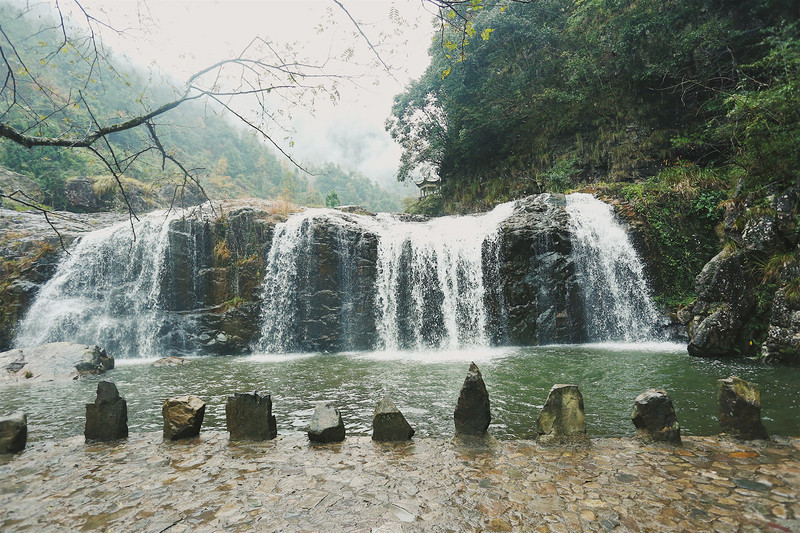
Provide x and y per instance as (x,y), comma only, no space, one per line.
(209,484)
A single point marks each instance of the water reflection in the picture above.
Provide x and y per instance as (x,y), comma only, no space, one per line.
(424,386)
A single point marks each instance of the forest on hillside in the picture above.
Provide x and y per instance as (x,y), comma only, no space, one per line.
(229,160)
(527,97)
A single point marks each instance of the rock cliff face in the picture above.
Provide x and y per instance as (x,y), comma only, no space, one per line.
(538,286)
(232,279)
(750,291)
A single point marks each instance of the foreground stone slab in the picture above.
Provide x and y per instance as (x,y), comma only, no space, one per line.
(54,361)
(13,433)
(473,415)
(326,424)
(389,424)
(107,417)
(248,416)
(562,416)
(654,417)
(183,416)
(740,409)
(423,485)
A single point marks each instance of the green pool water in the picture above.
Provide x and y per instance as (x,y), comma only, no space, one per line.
(424,386)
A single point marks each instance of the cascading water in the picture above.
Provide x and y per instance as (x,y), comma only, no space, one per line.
(430,280)
(340,281)
(614,292)
(281,282)
(348,281)
(109,291)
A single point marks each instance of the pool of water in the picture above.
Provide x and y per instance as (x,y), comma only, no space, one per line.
(424,386)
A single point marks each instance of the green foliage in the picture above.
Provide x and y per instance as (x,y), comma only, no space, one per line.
(680,208)
(567,94)
(332,199)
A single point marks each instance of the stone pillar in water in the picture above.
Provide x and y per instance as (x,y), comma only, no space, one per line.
(563,414)
(654,417)
(389,424)
(13,433)
(472,415)
(183,416)
(107,417)
(740,409)
(248,416)
(326,424)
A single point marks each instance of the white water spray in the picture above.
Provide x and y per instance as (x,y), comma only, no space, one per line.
(108,291)
(616,298)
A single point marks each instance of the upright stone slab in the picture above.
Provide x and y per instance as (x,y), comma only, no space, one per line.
(563,414)
(740,409)
(107,417)
(472,415)
(654,417)
(389,424)
(183,416)
(13,433)
(326,424)
(249,416)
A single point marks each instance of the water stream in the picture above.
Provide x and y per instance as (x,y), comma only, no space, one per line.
(614,292)
(109,291)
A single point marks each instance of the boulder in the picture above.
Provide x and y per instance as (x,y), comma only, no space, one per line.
(782,344)
(472,415)
(54,361)
(13,433)
(725,299)
(248,416)
(389,424)
(183,416)
(326,424)
(170,361)
(81,196)
(562,415)
(740,409)
(107,417)
(654,417)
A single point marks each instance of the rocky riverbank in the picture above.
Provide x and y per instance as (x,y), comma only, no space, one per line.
(212,484)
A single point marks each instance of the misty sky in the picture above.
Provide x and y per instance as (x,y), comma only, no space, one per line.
(183,36)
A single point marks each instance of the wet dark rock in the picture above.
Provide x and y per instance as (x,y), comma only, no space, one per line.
(472,415)
(54,361)
(107,417)
(740,409)
(183,416)
(82,198)
(326,424)
(389,424)
(13,433)
(563,414)
(725,299)
(782,344)
(248,416)
(535,299)
(654,417)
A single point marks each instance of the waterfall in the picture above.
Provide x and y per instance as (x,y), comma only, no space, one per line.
(109,291)
(430,280)
(282,279)
(614,292)
(345,281)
